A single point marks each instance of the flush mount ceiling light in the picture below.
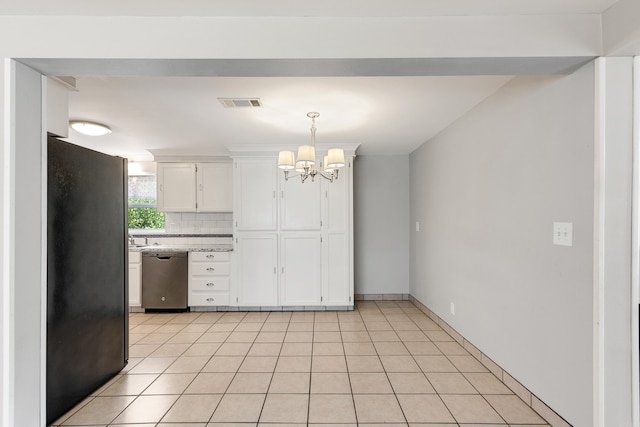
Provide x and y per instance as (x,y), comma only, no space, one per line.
(305,165)
(89,128)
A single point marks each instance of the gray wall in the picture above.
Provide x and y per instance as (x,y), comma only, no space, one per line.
(381,224)
(486,192)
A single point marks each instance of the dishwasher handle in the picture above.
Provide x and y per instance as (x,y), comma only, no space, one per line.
(164,255)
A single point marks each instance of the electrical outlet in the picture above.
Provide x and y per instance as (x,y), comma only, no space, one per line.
(417,226)
(563,233)
(453,308)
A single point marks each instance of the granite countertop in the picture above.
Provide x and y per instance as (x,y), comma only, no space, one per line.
(181,248)
(162,234)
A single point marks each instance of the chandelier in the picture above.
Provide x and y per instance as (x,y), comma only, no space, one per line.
(305,164)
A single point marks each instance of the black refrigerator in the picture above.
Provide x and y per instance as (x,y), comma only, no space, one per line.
(87,254)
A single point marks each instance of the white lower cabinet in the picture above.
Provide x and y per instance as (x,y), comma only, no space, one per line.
(135,279)
(209,279)
(257,262)
(300,269)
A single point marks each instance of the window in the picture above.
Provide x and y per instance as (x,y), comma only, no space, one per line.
(142,203)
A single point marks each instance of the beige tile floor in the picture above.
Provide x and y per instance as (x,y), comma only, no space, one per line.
(383,363)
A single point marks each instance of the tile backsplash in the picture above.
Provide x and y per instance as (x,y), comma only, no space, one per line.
(198,223)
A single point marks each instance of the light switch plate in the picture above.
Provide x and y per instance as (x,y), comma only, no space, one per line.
(563,233)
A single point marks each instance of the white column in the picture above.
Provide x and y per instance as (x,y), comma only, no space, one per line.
(23,249)
(612,245)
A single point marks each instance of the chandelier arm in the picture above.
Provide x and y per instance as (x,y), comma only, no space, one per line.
(328,176)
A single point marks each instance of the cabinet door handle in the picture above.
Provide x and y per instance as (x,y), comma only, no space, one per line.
(211,256)
(211,284)
(211,269)
(210,299)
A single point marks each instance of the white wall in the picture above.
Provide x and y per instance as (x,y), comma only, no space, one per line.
(486,192)
(381,224)
(621,29)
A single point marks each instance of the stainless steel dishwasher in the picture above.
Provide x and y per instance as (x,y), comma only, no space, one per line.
(164,280)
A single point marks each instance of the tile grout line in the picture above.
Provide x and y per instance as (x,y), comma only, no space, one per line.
(429,315)
(275,367)
(387,374)
(214,353)
(140,394)
(313,335)
(453,364)
(346,364)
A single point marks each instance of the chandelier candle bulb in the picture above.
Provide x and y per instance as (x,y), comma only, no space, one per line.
(286,160)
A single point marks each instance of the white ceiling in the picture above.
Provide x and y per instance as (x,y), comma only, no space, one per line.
(350,8)
(388,107)
(182,115)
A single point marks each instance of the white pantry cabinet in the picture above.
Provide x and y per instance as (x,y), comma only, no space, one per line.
(255,189)
(194,187)
(135,279)
(304,231)
(256,279)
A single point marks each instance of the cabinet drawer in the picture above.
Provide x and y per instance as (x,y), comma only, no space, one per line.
(210,269)
(134,257)
(208,299)
(209,256)
(210,284)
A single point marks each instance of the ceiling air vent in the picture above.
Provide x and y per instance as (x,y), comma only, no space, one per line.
(240,102)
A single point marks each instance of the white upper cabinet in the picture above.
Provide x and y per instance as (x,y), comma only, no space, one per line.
(300,204)
(215,187)
(176,187)
(336,210)
(195,187)
(255,187)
